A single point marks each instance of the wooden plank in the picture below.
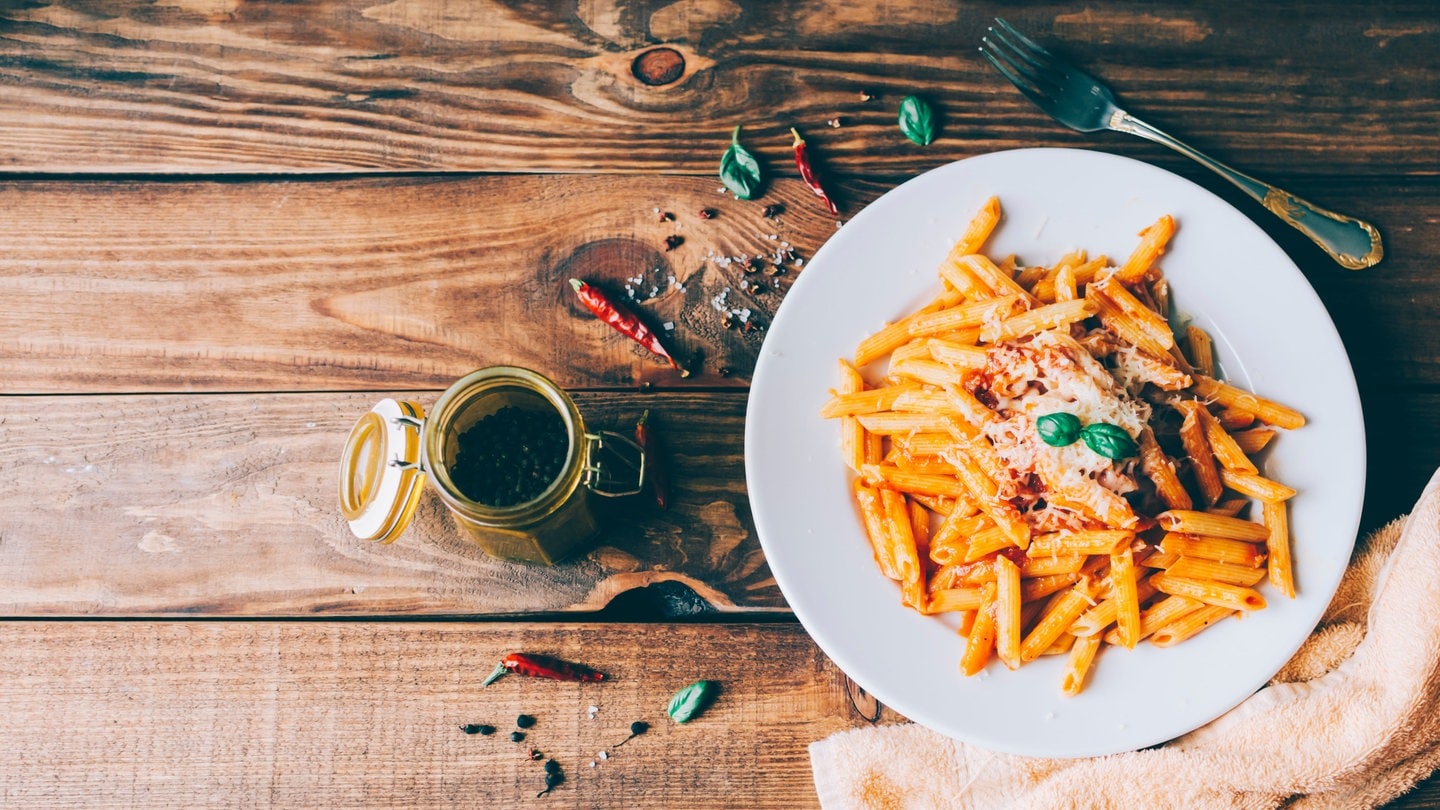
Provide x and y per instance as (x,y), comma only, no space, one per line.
(228,505)
(385,283)
(196,715)
(349,85)
(199,714)
(407,282)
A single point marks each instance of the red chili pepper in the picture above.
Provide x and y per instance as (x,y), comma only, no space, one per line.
(543,666)
(807,172)
(656,475)
(623,321)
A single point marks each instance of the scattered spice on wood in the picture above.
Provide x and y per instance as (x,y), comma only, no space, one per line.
(673,241)
(536,755)
(688,703)
(657,473)
(478,728)
(808,172)
(517,736)
(665,216)
(551,766)
(525,721)
(622,320)
(707,213)
(868,95)
(754,264)
(773,210)
(835,123)
(542,666)
(636,729)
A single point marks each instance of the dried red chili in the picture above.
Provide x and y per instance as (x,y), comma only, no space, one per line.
(808,173)
(657,477)
(543,666)
(627,323)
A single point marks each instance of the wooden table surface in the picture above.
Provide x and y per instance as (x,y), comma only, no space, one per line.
(230,227)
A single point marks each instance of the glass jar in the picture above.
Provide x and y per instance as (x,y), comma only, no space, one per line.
(393,448)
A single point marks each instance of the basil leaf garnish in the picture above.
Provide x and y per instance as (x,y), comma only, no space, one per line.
(917,120)
(1058,429)
(1110,441)
(740,170)
(692,700)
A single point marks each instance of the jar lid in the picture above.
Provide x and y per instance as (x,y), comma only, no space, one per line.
(381,478)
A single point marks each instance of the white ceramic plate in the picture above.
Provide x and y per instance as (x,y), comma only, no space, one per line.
(1272,336)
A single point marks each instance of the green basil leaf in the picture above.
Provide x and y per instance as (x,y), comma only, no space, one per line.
(1110,441)
(917,119)
(1058,429)
(689,702)
(740,170)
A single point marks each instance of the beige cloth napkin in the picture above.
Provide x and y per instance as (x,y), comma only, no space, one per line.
(1353,720)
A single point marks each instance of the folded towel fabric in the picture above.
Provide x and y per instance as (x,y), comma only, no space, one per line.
(1353,720)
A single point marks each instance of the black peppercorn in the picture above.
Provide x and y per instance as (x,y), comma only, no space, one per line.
(517,736)
(510,456)
(525,721)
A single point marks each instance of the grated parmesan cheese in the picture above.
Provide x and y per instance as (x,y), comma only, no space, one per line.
(1052,373)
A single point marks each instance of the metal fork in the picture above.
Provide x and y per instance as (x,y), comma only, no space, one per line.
(1080,101)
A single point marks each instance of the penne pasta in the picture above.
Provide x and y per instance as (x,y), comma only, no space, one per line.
(1188,625)
(1256,486)
(1234,597)
(1077,666)
(1185,521)
(1277,545)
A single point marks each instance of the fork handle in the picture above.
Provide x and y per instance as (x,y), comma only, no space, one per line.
(1353,243)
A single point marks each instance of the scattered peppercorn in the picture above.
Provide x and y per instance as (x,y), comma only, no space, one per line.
(707,213)
(758,289)
(478,728)
(551,766)
(510,456)
(636,729)
(666,216)
(552,780)
(754,264)
(773,210)
(868,95)
(536,755)
(517,736)
(673,241)
(525,721)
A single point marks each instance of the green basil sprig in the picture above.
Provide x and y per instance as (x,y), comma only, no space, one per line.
(1110,441)
(689,702)
(917,120)
(740,170)
(1063,429)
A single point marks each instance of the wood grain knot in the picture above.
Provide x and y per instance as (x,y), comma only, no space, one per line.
(658,66)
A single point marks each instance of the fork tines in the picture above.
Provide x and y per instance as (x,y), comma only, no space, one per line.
(1028,66)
